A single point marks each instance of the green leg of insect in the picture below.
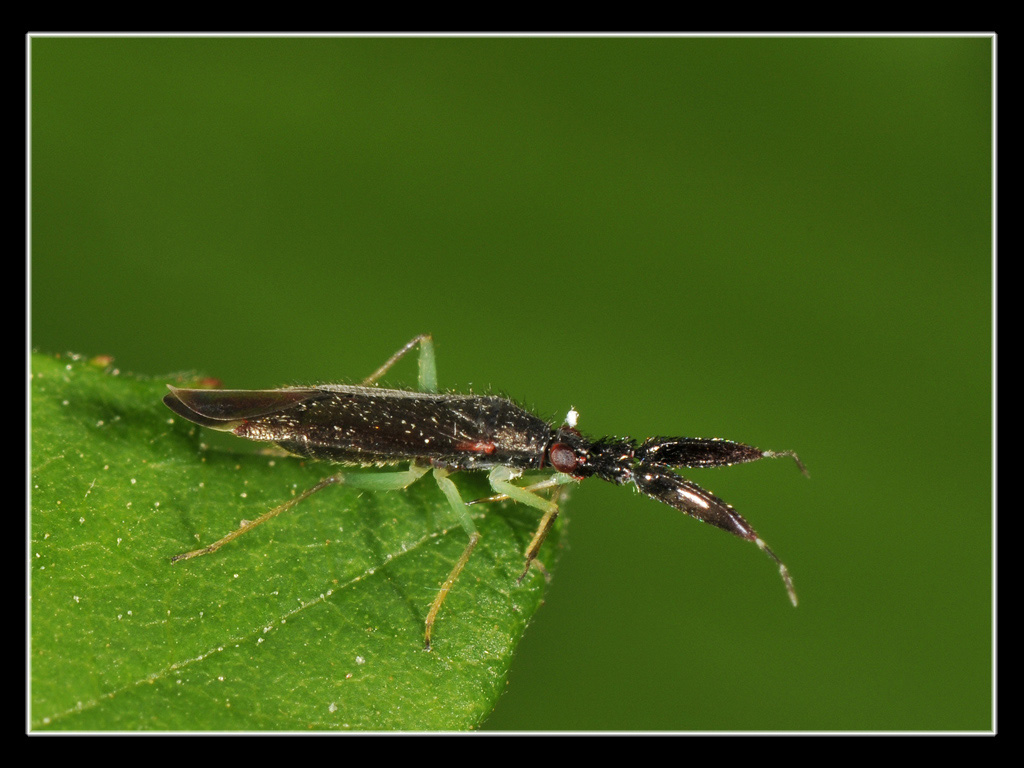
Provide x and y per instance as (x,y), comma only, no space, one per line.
(382,481)
(500,478)
(427,363)
(466,520)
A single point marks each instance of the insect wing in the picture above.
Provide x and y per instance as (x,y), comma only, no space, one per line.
(225,409)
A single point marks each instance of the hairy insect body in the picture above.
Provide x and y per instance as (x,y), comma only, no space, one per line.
(372,426)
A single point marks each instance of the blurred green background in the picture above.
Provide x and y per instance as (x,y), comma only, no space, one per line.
(785,242)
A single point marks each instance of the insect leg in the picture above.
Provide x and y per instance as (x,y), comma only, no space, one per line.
(248,525)
(383,481)
(427,364)
(500,479)
(466,520)
(556,479)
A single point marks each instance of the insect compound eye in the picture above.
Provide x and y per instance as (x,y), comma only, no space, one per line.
(563,458)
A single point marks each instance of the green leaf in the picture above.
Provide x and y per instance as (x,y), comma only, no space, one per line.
(313,620)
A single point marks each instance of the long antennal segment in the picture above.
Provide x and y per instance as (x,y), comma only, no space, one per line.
(791,454)
(783,570)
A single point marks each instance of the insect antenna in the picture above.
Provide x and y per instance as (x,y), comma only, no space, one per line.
(662,484)
(705,452)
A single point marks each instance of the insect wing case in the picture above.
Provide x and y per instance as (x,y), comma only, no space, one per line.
(370,425)
(226,409)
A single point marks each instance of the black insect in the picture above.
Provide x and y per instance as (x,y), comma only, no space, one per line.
(443,433)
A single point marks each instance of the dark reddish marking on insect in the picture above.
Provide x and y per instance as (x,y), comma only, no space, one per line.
(476,446)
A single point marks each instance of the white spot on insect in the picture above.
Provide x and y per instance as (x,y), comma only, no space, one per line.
(572,417)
